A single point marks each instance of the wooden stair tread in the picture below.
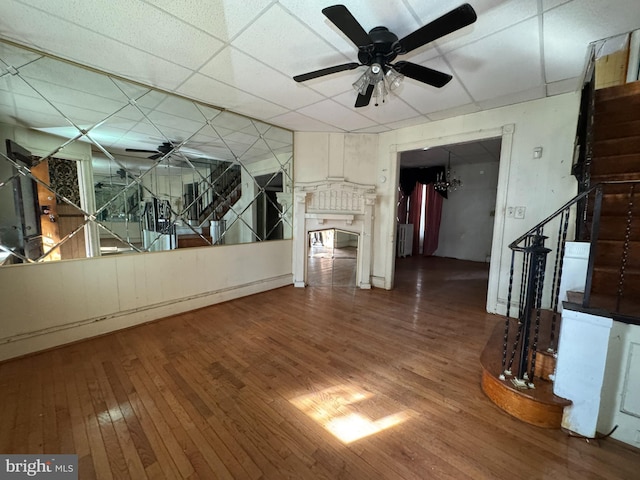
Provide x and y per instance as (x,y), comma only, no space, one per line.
(538,406)
(617,92)
(608,131)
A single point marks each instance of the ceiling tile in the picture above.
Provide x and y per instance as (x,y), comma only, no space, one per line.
(493,16)
(392,110)
(513,98)
(427,99)
(233,67)
(496,61)
(223,19)
(300,122)
(570,28)
(393,15)
(486,67)
(221,95)
(454,112)
(549,4)
(333,113)
(34,27)
(270,40)
(336,83)
(186,45)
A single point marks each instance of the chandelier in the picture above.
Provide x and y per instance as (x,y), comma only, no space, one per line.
(445,182)
(376,78)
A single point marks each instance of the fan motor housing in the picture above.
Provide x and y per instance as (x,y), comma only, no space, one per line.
(384,46)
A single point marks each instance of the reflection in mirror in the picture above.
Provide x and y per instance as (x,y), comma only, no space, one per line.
(332,258)
(95,165)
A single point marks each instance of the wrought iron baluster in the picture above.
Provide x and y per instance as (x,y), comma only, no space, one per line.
(507,319)
(557,274)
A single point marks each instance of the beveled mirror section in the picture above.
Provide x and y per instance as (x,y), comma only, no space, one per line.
(95,165)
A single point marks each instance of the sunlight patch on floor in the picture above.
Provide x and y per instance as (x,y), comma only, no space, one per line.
(340,411)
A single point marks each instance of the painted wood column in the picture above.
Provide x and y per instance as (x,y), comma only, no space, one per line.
(367,241)
(299,239)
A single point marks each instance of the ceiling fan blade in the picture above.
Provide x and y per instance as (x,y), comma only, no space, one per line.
(325,71)
(449,22)
(341,17)
(423,74)
(156,156)
(363,100)
(139,150)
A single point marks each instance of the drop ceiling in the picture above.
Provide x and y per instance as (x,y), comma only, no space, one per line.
(242,55)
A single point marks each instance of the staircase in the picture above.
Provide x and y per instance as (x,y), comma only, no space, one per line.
(217,196)
(615,284)
(606,213)
(226,181)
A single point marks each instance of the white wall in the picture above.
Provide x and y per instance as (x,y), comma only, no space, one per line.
(50,304)
(319,156)
(466,228)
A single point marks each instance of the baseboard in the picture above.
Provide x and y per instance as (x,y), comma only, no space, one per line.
(45,339)
(379,282)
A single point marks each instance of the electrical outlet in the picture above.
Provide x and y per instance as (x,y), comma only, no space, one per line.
(510,212)
(519,212)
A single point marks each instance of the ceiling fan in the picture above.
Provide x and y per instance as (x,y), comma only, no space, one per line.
(163,149)
(378,48)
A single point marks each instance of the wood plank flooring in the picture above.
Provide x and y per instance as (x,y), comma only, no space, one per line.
(323,383)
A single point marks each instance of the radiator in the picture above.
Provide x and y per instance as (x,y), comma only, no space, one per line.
(404,243)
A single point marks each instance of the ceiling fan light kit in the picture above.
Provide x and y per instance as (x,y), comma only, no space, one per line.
(378,48)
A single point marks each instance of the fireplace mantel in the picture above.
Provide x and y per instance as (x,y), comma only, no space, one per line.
(334,203)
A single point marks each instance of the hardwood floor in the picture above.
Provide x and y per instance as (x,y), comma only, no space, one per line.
(312,383)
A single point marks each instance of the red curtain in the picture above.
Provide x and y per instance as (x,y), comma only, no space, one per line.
(432,217)
(415,211)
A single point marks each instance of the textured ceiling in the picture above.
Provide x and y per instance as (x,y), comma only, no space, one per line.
(241,55)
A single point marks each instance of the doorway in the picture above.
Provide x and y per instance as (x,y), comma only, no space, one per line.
(332,259)
(468,181)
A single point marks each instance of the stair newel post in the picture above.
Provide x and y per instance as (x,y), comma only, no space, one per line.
(595,231)
(541,267)
(537,254)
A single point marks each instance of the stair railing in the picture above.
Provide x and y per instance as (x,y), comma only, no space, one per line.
(533,264)
(215,191)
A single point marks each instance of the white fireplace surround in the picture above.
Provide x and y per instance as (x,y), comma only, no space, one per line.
(333,203)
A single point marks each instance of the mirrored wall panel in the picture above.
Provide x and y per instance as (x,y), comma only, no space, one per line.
(93,165)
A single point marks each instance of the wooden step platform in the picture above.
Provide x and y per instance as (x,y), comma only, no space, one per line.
(538,406)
